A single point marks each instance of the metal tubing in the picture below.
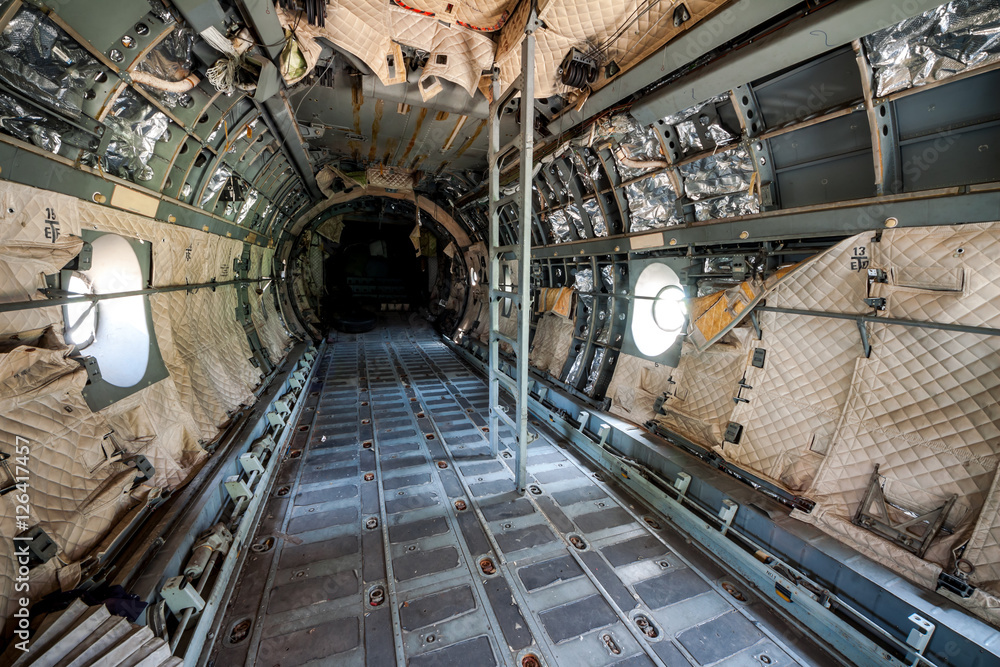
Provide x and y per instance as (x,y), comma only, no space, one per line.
(524,238)
(494,270)
(521,296)
(94,298)
(200,586)
(983,331)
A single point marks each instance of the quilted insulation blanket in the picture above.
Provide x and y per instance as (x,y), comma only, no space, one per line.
(457,36)
(924,406)
(79,490)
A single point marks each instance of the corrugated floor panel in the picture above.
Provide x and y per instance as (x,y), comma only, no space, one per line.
(396,494)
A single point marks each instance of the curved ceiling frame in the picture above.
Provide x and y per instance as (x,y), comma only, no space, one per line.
(469,249)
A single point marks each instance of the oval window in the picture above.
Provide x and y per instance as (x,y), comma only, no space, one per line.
(120,331)
(658,310)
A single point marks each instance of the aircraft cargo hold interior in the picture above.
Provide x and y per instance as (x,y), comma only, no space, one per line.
(480,333)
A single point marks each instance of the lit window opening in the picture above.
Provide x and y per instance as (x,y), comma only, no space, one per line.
(81,317)
(659,311)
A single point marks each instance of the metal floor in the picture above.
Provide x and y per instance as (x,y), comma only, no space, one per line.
(392,491)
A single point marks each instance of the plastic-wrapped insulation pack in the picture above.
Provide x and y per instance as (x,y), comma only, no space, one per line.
(937,44)
(589,166)
(727,173)
(605,305)
(701,120)
(570,376)
(580,165)
(595,371)
(34,126)
(40,60)
(593,210)
(584,284)
(718,264)
(265,216)
(136,127)
(161,11)
(248,205)
(727,206)
(171,61)
(636,147)
(602,318)
(608,278)
(216,183)
(563,173)
(584,281)
(558,224)
(651,203)
(546,196)
(573,214)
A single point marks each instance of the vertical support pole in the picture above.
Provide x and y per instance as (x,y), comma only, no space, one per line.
(494,268)
(524,243)
(520,249)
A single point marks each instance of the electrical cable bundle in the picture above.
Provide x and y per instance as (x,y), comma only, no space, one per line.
(315,9)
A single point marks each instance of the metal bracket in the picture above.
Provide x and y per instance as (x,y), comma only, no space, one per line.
(180,595)
(41,547)
(877,276)
(93,369)
(755,321)
(10,482)
(878,303)
(533,23)
(670,141)
(884,115)
(734,431)
(237,488)
(920,635)
(682,483)
(250,463)
(745,102)
(143,467)
(727,513)
(881,523)
(955,584)
(865,342)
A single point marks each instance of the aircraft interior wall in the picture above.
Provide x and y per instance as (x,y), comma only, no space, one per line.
(741,303)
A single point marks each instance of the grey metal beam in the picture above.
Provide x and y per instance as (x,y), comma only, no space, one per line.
(832,26)
(520,246)
(62,300)
(708,35)
(872,319)
(276,113)
(846,219)
(201,15)
(264,19)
